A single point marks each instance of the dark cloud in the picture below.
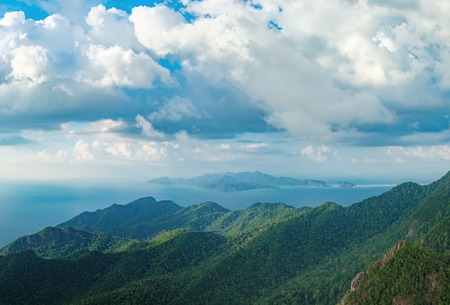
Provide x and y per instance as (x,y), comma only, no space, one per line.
(13,140)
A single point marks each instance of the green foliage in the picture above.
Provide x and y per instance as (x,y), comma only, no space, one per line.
(411,275)
(438,237)
(124,220)
(145,218)
(57,243)
(242,225)
(265,254)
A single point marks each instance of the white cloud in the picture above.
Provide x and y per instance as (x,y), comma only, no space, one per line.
(147,128)
(60,156)
(340,56)
(385,42)
(255,147)
(108,125)
(82,151)
(151,151)
(333,64)
(332,71)
(224,146)
(154,27)
(233,44)
(13,19)
(119,149)
(209,45)
(116,66)
(109,27)
(318,153)
(75,10)
(419,153)
(29,63)
(176,109)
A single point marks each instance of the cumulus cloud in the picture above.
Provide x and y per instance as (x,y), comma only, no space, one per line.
(232,43)
(29,63)
(75,10)
(110,27)
(155,26)
(82,151)
(60,156)
(324,71)
(116,66)
(318,153)
(326,66)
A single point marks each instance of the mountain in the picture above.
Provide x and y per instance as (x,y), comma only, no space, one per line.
(54,242)
(254,219)
(265,254)
(28,279)
(408,274)
(140,211)
(145,218)
(229,182)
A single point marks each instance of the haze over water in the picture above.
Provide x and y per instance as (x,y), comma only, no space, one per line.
(26,208)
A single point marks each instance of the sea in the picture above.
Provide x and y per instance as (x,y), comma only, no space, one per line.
(26,208)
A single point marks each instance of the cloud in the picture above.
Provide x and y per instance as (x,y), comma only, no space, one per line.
(75,10)
(176,109)
(13,140)
(103,127)
(349,63)
(202,78)
(82,151)
(116,66)
(419,153)
(234,45)
(110,27)
(59,157)
(118,149)
(109,125)
(147,128)
(29,63)
(318,153)
(155,26)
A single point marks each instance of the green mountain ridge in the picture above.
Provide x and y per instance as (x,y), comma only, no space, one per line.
(145,218)
(408,274)
(55,242)
(265,254)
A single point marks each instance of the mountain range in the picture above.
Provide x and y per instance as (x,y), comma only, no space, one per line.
(389,249)
(242,181)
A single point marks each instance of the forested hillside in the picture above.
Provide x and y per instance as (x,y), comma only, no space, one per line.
(265,254)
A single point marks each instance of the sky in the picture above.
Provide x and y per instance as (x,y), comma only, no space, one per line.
(133,90)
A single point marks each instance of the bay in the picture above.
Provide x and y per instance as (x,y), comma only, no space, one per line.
(26,208)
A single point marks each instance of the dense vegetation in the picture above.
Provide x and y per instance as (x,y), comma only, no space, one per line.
(265,254)
(411,274)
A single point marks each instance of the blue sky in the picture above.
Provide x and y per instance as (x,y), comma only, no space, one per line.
(140,89)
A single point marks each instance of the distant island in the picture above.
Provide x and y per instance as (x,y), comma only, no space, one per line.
(343,183)
(241,181)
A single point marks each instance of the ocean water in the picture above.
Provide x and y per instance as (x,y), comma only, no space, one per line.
(26,208)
